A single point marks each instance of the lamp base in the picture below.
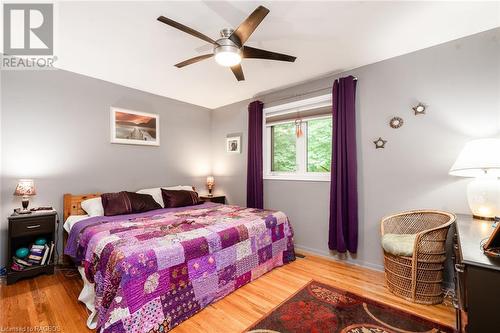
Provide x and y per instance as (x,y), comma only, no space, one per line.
(25,203)
(483,196)
(476,217)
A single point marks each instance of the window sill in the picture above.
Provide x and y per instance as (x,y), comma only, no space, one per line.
(309,178)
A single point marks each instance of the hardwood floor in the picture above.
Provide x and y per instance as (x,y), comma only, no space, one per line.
(52,300)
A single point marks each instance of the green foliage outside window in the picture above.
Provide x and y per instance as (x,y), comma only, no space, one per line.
(319,145)
(283,148)
(318,141)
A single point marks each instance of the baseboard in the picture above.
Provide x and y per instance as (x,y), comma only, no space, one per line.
(327,255)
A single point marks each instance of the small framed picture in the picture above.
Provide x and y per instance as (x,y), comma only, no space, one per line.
(233,144)
(134,127)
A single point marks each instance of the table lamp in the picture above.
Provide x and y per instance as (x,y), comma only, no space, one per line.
(210,184)
(480,159)
(25,188)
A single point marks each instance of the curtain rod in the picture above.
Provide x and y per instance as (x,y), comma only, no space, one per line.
(304,94)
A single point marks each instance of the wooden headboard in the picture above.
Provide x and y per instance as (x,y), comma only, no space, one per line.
(73,203)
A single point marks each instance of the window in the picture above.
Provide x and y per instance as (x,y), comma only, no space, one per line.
(307,157)
(284,151)
(319,145)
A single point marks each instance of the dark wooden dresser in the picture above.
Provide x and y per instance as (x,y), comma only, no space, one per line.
(477,278)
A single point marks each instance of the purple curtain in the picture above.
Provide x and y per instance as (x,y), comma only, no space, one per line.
(343,233)
(255,182)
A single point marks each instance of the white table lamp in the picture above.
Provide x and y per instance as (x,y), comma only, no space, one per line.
(480,159)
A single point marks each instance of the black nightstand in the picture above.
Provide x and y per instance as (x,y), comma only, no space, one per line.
(215,198)
(23,230)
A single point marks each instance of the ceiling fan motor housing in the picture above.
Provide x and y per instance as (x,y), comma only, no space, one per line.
(226,45)
(227,53)
(226,32)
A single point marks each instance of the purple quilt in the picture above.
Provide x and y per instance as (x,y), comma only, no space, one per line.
(156,269)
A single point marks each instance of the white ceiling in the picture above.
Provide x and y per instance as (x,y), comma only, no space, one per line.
(122,42)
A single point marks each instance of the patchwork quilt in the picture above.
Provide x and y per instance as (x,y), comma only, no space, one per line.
(156,269)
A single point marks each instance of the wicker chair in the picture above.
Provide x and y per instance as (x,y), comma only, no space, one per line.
(418,278)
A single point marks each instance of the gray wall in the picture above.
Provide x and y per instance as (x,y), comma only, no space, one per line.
(55,129)
(460,82)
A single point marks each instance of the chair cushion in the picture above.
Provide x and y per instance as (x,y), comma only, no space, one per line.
(399,245)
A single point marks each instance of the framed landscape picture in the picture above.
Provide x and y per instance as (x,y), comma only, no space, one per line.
(233,144)
(134,127)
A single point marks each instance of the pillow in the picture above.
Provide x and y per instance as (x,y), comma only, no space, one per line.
(71,221)
(155,192)
(179,198)
(399,245)
(142,202)
(116,203)
(180,188)
(123,202)
(93,207)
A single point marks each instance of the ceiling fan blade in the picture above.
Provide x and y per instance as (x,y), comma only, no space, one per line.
(193,60)
(247,27)
(238,72)
(251,52)
(184,28)
(204,48)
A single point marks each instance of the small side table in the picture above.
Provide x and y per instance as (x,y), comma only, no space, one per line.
(214,198)
(23,230)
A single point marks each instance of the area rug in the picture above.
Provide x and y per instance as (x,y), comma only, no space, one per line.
(319,308)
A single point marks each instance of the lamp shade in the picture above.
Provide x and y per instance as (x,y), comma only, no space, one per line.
(477,158)
(25,187)
(210,181)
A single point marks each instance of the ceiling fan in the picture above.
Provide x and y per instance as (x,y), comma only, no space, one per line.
(230,49)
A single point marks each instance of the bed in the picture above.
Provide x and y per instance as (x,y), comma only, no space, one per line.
(150,271)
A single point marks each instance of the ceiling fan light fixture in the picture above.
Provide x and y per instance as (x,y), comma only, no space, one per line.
(228,59)
(227,55)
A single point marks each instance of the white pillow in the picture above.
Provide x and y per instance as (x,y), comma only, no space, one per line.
(155,192)
(71,221)
(93,207)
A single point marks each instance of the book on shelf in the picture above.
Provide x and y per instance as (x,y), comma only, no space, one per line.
(45,254)
(16,267)
(39,255)
(51,251)
(21,262)
(34,259)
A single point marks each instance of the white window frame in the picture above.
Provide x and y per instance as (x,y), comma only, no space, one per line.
(301,144)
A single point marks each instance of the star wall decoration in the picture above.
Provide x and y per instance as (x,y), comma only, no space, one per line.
(380,143)
(396,122)
(419,109)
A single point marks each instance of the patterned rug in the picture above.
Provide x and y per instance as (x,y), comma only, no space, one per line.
(318,308)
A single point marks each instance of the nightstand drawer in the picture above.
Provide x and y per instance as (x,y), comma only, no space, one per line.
(29,226)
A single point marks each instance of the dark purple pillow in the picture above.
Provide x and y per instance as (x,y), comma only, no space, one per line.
(116,203)
(142,202)
(179,198)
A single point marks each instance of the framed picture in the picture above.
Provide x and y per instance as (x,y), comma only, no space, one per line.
(134,127)
(233,144)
